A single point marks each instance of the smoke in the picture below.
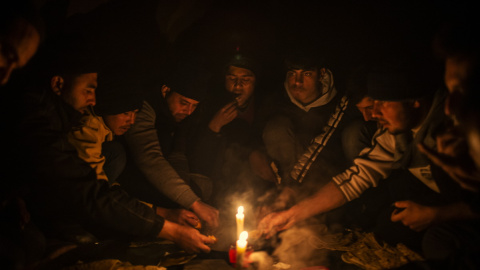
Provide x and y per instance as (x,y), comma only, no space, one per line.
(261,260)
(296,249)
(226,233)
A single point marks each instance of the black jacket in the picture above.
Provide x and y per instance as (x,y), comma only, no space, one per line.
(64,187)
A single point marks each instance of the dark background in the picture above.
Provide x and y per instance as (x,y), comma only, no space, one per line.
(147,35)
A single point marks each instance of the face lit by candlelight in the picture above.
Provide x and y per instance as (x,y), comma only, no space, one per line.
(365,106)
(241,83)
(180,106)
(396,116)
(17,46)
(78,91)
(120,123)
(304,85)
(456,74)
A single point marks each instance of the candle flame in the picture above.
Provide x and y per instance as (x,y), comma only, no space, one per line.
(240,210)
(243,236)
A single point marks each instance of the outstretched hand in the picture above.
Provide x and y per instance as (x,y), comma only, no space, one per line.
(188,238)
(182,216)
(206,213)
(275,222)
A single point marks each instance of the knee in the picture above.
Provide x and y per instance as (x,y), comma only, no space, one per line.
(278,129)
(439,243)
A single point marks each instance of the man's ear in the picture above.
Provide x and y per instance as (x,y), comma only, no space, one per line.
(165,90)
(56,83)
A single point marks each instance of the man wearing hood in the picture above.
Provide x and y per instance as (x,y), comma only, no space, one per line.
(303,139)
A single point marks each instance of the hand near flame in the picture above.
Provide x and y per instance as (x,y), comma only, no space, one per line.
(206,213)
(182,216)
(190,239)
(275,222)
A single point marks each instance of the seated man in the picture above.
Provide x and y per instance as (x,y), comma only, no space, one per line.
(304,137)
(67,200)
(457,153)
(404,108)
(118,104)
(230,146)
(158,171)
(19,36)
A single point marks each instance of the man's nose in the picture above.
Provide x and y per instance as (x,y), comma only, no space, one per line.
(376,110)
(131,118)
(238,83)
(7,72)
(190,109)
(92,100)
(299,79)
(448,109)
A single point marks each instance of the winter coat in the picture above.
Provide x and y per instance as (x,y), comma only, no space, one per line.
(65,187)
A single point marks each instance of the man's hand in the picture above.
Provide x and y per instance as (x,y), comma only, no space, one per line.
(182,216)
(206,213)
(261,166)
(224,116)
(415,216)
(190,239)
(275,222)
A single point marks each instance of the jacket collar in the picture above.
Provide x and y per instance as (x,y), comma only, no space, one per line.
(328,93)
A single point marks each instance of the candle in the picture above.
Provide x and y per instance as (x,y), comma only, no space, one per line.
(240,217)
(241,247)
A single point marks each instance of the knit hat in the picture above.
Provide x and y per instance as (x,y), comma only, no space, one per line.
(190,78)
(242,60)
(119,91)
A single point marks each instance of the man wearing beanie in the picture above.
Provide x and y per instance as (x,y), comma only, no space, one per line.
(410,112)
(230,146)
(303,139)
(117,105)
(67,201)
(158,171)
